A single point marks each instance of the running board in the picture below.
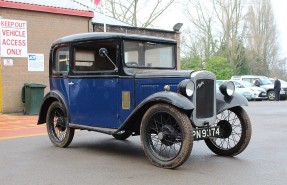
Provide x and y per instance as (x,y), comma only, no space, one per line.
(109,131)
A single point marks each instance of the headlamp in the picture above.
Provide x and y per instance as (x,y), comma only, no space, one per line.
(186,88)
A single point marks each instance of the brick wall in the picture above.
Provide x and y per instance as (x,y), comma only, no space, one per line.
(142,31)
(43,29)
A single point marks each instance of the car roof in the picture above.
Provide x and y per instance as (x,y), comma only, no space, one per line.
(108,35)
(247,76)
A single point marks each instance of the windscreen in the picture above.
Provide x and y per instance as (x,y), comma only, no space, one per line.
(149,55)
(266,81)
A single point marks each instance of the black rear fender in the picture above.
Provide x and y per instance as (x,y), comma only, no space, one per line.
(47,101)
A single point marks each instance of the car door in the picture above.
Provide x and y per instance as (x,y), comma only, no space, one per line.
(93,86)
(59,69)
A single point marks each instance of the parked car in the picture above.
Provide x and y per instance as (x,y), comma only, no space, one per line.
(258,93)
(283,92)
(264,82)
(123,85)
(247,93)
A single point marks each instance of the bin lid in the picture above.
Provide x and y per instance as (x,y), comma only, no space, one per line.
(36,85)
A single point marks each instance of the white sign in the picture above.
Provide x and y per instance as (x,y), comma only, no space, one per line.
(35,62)
(13,38)
(8,62)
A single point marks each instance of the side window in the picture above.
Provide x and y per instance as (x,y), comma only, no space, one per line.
(62,60)
(131,58)
(247,80)
(88,59)
(84,60)
(237,85)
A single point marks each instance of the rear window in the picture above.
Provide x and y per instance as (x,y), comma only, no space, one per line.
(61,61)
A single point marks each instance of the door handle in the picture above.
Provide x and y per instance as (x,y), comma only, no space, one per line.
(71,83)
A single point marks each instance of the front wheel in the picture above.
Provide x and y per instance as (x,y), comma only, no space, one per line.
(60,133)
(166,136)
(235,126)
(271,95)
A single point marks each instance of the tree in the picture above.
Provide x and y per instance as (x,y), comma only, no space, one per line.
(218,25)
(201,36)
(262,38)
(220,67)
(243,31)
(280,70)
(230,17)
(191,63)
(139,13)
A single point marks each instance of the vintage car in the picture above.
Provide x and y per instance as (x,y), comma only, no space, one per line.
(128,85)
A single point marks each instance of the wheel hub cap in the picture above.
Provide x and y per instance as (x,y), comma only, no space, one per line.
(168,135)
(60,124)
(226,128)
(160,136)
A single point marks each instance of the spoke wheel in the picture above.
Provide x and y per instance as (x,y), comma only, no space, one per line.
(166,136)
(235,129)
(59,132)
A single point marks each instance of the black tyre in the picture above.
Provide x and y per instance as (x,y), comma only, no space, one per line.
(271,95)
(166,136)
(57,125)
(236,133)
(122,135)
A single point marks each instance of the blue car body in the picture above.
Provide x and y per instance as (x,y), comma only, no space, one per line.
(123,85)
(95,99)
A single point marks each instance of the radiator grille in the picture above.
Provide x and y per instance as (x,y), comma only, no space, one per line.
(204,98)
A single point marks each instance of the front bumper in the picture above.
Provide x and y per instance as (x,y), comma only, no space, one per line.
(260,96)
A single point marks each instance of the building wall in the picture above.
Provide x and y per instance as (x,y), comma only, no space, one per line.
(142,31)
(42,30)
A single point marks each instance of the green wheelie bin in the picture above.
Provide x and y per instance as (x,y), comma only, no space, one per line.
(32,96)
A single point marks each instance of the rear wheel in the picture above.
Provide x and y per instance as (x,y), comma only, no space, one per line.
(236,132)
(166,136)
(60,133)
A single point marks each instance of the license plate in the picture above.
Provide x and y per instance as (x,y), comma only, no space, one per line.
(208,132)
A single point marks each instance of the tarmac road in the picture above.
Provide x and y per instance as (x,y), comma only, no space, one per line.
(95,158)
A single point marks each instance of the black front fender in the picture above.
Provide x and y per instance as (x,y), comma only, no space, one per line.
(132,123)
(173,98)
(224,102)
(47,101)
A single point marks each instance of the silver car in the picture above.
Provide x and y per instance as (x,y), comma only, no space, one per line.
(258,93)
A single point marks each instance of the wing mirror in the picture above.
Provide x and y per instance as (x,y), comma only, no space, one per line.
(103,52)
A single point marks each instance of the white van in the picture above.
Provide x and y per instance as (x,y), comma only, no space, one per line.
(264,82)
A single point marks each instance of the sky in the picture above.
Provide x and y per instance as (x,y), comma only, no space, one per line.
(280,12)
(174,16)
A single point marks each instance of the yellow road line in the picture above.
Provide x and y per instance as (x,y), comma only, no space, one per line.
(14,137)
